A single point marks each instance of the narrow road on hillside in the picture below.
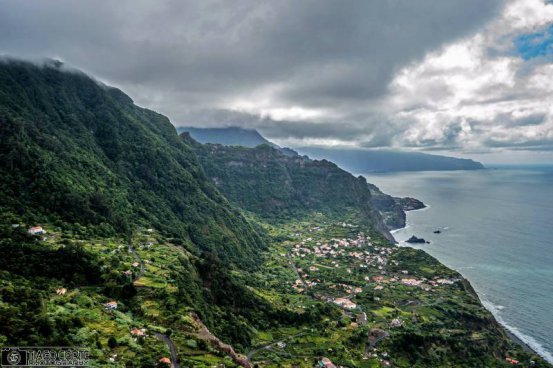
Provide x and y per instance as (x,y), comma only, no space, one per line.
(269,346)
(298,276)
(140,261)
(166,339)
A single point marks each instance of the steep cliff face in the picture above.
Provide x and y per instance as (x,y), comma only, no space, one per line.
(392,209)
(265,181)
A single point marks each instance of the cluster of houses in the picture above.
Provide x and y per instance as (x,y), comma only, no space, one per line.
(347,288)
(426,284)
(356,249)
(423,282)
(345,303)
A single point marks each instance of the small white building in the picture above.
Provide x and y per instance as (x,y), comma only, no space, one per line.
(112,305)
(396,322)
(36,230)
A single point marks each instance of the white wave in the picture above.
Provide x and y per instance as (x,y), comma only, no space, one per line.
(407,226)
(528,340)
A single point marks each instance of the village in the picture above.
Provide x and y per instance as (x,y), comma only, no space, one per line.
(357,256)
(363,277)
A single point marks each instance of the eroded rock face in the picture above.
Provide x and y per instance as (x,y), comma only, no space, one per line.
(204,334)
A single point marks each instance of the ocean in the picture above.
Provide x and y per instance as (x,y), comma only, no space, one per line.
(497,231)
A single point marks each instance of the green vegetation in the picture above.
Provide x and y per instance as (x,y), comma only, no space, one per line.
(82,156)
(264,181)
(141,250)
(277,187)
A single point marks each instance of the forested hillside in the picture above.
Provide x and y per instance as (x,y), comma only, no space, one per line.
(95,171)
(75,152)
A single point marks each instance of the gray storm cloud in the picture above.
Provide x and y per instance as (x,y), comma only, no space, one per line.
(183,54)
(293,69)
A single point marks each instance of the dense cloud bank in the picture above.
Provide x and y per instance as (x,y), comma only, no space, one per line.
(460,75)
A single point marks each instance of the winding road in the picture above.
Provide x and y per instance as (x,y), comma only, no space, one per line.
(269,346)
(166,339)
(139,259)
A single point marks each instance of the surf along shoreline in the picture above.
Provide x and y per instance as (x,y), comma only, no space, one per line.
(488,305)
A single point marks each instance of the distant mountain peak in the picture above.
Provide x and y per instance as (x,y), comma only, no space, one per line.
(228,136)
(232,136)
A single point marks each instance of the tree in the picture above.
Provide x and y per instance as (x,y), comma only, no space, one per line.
(112,342)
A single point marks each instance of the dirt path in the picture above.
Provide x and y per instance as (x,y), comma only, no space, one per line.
(166,339)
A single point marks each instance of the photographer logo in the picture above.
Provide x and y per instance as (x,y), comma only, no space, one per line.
(44,357)
(13,357)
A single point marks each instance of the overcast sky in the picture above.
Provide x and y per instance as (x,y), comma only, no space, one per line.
(469,78)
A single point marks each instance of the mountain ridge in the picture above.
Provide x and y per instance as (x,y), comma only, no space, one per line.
(231,135)
(272,184)
(356,160)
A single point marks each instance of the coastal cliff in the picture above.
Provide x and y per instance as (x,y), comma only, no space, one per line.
(393,209)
